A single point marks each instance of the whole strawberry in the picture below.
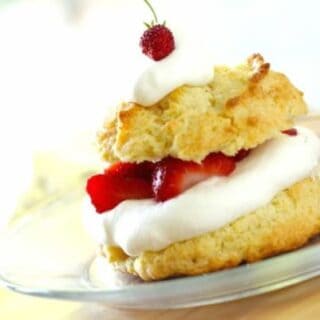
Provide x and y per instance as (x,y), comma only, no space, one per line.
(157,42)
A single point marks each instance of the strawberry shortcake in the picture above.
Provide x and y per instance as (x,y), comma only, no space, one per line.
(206,169)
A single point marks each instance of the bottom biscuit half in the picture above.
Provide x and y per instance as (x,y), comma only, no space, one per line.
(286,223)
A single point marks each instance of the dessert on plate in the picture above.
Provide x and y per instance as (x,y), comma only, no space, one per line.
(207,169)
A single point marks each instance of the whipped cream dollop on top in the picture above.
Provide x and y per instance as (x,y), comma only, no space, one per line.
(182,67)
(142,225)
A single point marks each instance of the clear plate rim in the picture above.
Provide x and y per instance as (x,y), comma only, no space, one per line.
(101,295)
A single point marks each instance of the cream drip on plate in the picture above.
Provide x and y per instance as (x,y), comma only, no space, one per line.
(145,225)
(182,67)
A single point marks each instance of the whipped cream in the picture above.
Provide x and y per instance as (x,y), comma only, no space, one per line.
(145,225)
(182,67)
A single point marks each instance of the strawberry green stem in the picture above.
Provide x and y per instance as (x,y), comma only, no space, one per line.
(152,10)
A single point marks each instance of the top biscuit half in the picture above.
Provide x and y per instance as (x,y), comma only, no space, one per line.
(241,108)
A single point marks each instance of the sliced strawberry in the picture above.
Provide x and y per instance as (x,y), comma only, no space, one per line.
(291,132)
(106,192)
(97,188)
(172,176)
(126,169)
(218,164)
(162,181)
(241,155)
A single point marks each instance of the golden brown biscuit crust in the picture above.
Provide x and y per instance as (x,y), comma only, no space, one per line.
(286,223)
(243,107)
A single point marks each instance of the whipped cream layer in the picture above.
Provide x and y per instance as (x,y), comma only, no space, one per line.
(182,67)
(145,225)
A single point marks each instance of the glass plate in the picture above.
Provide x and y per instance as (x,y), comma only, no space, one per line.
(49,254)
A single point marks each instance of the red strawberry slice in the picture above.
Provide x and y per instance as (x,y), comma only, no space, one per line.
(241,155)
(162,181)
(291,132)
(138,170)
(172,176)
(106,192)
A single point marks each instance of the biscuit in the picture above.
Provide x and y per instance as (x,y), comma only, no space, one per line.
(240,109)
(286,223)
